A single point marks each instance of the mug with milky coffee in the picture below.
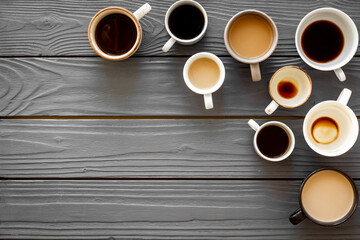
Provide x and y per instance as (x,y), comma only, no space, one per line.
(204,73)
(115,33)
(251,37)
(327,197)
(330,127)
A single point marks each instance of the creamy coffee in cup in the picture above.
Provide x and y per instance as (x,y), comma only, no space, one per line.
(186,22)
(204,73)
(273,141)
(251,37)
(331,128)
(115,33)
(327,39)
(289,87)
(327,197)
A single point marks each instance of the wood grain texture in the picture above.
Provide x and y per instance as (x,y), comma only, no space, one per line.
(149,87)
(158,210)
(150,148)
(59,28)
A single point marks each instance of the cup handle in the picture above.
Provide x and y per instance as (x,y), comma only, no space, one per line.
(255,72)
(168,44)
(271,107)
(340,74)
(208,101)
(253,125)
(344,96)
(297,217)
(142,11)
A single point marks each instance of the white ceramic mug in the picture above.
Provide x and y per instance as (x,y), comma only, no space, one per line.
(135,17)
(350,33)
(348,126)
(206,92)
(299,78)
(254,62)
(257,128)
(173,39)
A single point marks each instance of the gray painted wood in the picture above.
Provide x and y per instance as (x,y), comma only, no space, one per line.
(149,87)
(151,148)
(55,28)
(158,210)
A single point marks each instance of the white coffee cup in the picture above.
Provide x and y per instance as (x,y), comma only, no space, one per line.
(135,17)
(348,126)
(173,39)
(350,33)
(254,62)
(257,128)
(299,78)
(206,92)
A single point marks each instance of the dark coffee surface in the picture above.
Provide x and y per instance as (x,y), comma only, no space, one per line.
(287,89)
(272,141)
(186,22)
(115,34)
(322,41)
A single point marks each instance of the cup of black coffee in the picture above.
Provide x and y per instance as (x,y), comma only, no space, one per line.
(186,22)
(273,141)
(115,33)
(327,39)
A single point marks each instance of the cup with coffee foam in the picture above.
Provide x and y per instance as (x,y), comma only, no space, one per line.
(331,128)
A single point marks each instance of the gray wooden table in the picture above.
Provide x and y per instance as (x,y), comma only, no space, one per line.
(94,149)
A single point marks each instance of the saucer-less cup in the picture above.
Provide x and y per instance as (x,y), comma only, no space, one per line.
(206,92)
(173,39)
(257,128)
(254,62)
(348,126)
(350,33)
(298,78)
(302,213)
(135,17)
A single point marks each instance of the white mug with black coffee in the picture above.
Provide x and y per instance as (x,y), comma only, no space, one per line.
(186,22)
(273,141)
(327,39)
(204,73)
(115,33)
(327,197)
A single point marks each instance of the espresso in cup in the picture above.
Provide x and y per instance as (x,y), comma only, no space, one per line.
(327,197)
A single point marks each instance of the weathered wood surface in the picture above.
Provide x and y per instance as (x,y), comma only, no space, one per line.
(151,148)
(149,87)
(59,28)
(158,210)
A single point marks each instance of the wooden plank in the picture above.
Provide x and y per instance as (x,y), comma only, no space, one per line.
(149,87)
(151,148)
(53,28)
(158,210)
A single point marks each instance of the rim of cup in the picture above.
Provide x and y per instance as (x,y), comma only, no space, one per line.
(211,56)
(326,66)
(344,147)
(180,3)
(98,17)
(288,131)
(276,100)
(262,57)
(347,216)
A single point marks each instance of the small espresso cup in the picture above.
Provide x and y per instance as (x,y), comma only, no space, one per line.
(349,34)
(327,197)
(289,87)
(251,37)
(186,22)
(273,141)
(330,127)
(204,73)
(131,37)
